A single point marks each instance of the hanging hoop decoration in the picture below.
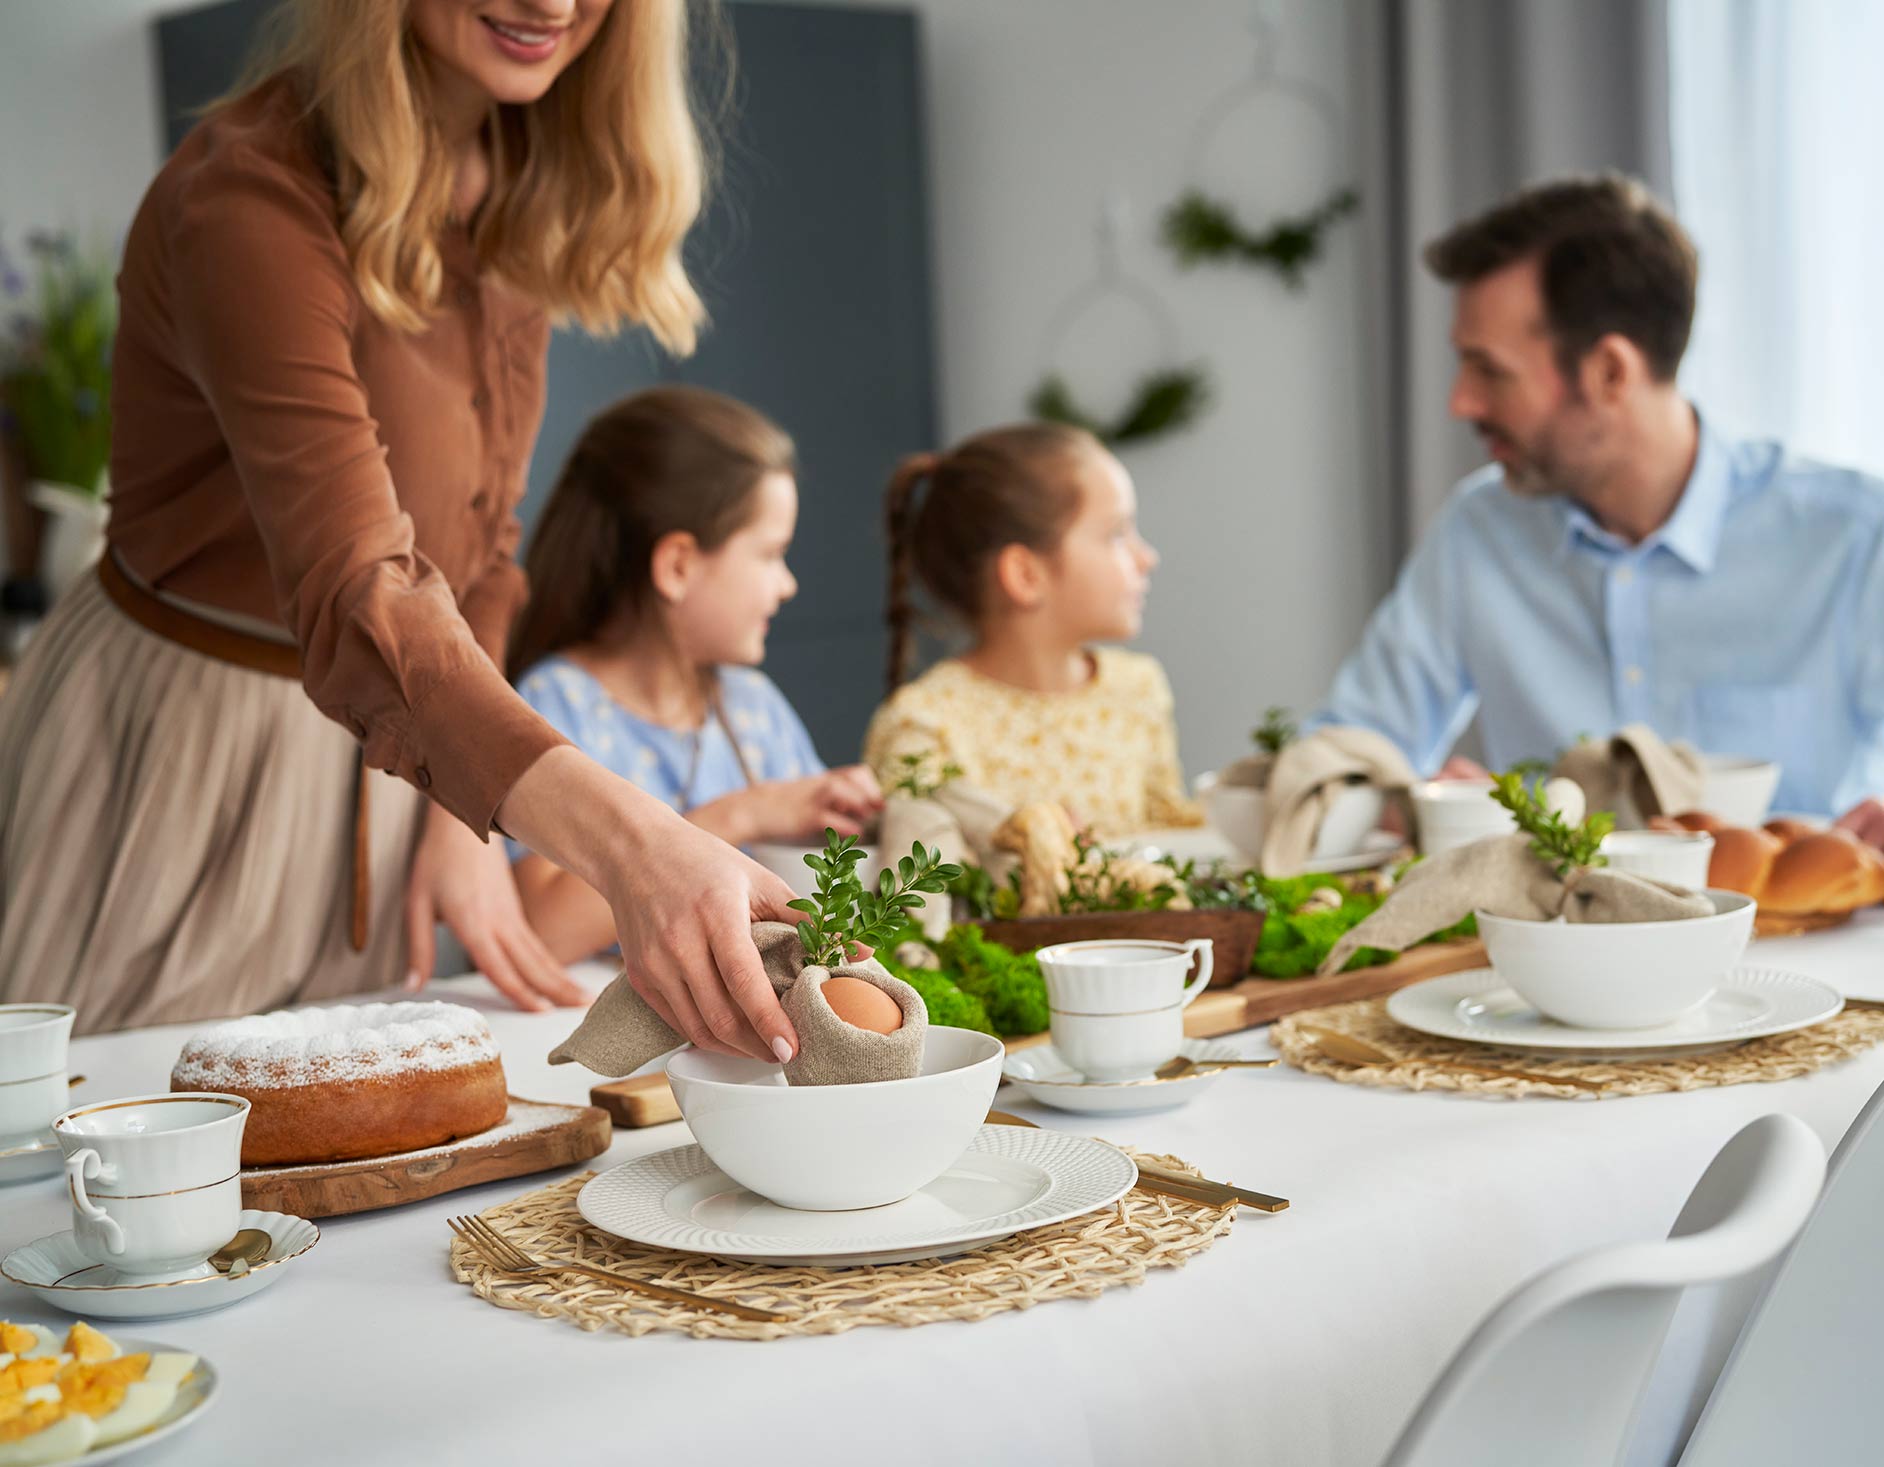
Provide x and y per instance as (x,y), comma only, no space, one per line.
(1164,400)
(1201,230)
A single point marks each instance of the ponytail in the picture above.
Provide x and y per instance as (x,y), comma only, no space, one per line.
(899,518)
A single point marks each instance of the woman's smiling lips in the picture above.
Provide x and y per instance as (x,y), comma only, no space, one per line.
(528,44)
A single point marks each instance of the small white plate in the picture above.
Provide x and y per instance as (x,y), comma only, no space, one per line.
(1477,1007)
(54,1271)
(28,1158)
(193,1398)
(1008,1180)
(1376,850)
(1049,1080)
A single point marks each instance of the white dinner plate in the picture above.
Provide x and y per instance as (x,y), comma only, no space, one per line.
(1008,1180)
(1477,1007)
(1048,1079)
(55,1271)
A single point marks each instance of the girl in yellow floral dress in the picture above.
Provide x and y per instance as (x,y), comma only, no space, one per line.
(1028,536)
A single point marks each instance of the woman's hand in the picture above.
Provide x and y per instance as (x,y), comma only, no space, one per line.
(684,901)
(465,883)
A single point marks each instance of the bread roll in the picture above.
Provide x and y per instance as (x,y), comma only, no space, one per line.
(1795,871)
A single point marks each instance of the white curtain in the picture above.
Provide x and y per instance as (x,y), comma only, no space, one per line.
(1776,119)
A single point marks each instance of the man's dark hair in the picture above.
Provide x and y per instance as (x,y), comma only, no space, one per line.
(1609,256)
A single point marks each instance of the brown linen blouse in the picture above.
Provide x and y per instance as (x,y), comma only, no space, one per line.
(281,453)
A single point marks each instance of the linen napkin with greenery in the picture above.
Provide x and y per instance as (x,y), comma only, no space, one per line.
(1549,869)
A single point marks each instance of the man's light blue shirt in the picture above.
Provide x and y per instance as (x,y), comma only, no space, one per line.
(1751,623)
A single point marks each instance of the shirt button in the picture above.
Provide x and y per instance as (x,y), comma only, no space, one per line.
(1632,675)
(357,724)
(480,500)
(465,297)
(479,399)
(423,777)
(1624,575)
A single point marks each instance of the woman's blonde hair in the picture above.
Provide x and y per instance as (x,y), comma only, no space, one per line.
(593,187)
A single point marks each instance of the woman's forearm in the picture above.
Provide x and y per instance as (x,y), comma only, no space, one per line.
(592,823)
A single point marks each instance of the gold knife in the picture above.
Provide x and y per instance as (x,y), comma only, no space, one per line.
(1180,1185)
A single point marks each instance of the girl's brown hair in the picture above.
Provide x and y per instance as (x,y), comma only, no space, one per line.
(668,460)
(1008,486)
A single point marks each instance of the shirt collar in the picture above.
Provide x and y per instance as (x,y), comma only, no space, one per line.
(1693,532)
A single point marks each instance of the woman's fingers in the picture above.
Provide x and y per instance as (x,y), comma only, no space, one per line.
(1866,821)
(421,939)
(743,974)
(494,963)
(538,967)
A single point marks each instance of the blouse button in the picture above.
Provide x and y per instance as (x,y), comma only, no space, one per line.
(479,399)
(357,724)
(465,296)
(423,776)
(480,500)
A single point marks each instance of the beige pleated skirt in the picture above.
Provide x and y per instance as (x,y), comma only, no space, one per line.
(176,832)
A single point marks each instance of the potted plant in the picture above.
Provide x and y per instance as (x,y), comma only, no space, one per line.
(55,391)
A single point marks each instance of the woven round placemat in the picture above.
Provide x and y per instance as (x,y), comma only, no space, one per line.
(1076,1259)
(1421,1058)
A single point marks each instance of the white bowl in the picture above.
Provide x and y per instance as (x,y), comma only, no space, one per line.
(1679,857)
(1241,816)
(1456,812)
(1619,975)
(1738,789)
(789,862)
(832,1148)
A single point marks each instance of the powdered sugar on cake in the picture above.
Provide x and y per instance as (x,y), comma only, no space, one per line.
(349,1042)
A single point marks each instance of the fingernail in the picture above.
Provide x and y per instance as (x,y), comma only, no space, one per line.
(413,981)
(781,1047)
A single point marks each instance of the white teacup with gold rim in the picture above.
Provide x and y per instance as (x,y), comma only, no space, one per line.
(155,1180)
(33,1086)
(1117,1005)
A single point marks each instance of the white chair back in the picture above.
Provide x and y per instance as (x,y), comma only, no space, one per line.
(1555,1374)
(1801,1384)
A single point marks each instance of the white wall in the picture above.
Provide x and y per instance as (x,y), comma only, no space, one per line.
(1038,112)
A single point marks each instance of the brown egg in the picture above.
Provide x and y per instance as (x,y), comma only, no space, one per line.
(863,1004)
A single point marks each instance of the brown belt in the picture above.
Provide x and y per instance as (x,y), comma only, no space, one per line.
(257,654)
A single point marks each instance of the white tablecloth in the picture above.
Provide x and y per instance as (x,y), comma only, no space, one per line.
(1303,1338)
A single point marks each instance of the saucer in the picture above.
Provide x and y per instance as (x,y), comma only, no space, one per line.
(28,1158)
(1477,1007)
(194,1396)
(1048,1079)
(56,1272)
(1008,1180)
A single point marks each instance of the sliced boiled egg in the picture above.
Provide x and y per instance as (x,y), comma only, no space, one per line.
(25,1342)
(144,1403)
(170,1367)
(87,1344)
(51,1440)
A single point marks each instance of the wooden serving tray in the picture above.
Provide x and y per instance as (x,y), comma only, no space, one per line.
(535,1136)
(645,1100)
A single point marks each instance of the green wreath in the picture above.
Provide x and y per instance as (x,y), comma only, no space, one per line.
(1198,228)
(1164,402)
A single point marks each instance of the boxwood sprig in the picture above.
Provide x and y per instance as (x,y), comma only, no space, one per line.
(845,913)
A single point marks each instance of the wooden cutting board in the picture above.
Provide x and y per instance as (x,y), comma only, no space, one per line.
(646,1100)
(534,1137)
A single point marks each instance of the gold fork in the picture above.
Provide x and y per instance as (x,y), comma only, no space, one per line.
(506,1257)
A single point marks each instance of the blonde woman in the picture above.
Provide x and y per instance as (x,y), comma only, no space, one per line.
(329,375)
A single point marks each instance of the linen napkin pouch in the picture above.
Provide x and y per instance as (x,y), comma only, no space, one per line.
(1309,775)
(1501,875)
(1636,773)
(621,1032)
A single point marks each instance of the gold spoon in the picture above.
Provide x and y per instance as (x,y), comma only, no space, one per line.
(1350,1050)
(242,1252)
(1183,1065)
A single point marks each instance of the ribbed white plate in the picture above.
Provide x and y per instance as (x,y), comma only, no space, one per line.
(1046,1078)
(54,1270)
(1477,1007)
(26,1158)
(1008,1180)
